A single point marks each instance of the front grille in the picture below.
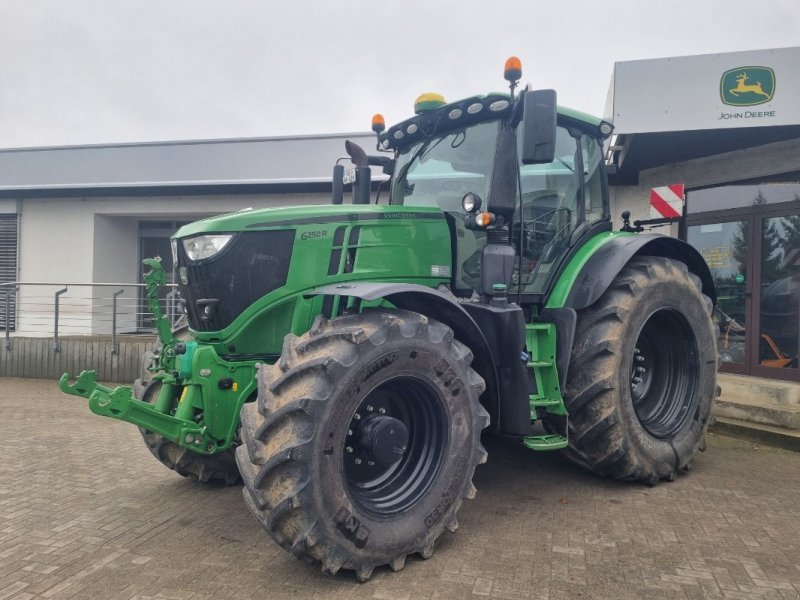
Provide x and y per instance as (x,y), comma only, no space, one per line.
(253,264)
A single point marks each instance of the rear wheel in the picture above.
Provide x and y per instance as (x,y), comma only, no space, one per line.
(363,441)
(642,378)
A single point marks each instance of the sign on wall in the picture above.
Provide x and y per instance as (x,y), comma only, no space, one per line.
(711,91)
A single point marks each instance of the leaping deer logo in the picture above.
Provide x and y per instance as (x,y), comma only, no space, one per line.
(741,86)
(747,86)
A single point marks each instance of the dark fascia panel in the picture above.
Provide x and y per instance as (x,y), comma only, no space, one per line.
(285,160)
(314,187)
(649,150)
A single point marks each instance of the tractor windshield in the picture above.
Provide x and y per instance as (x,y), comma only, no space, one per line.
(440,170)
(555,197)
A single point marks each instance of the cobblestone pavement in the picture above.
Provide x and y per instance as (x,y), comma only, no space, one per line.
(86,512)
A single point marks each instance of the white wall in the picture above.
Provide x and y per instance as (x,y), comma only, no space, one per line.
(7,206)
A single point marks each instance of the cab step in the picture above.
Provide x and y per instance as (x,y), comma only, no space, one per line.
(545,442)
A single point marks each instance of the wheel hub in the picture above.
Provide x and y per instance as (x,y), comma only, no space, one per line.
(394,445)
(384,439)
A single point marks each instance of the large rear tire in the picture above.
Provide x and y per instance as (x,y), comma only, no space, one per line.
(363,441)
(642,378)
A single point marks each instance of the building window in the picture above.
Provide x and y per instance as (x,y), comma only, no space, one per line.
(8,269)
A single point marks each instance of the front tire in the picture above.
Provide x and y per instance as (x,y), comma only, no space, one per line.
(642,378)
(217,469)
(363,441)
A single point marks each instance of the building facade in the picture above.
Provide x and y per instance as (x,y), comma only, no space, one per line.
(727,127)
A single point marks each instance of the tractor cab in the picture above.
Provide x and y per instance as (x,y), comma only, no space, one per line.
(516,171)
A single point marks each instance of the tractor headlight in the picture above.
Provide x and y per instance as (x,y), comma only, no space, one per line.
(205,246)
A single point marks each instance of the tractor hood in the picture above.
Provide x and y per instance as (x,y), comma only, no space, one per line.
(289,217)
(242,266)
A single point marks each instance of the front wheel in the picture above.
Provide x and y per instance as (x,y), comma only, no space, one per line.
(642,378)
(216,469)
(363,441)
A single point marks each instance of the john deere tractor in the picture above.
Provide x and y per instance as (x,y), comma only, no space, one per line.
(343,360)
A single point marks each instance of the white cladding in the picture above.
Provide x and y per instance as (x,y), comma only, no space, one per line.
(704,92)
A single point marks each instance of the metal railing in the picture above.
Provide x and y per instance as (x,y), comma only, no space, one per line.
(42,309)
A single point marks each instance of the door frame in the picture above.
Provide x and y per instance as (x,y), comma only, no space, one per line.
(754,215)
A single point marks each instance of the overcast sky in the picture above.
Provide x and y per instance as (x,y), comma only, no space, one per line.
(96,71)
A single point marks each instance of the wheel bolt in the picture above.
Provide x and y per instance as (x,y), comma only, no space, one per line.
(640,358)
(349,432)
(369,408)
(349,449)
(371,463)
(356,417)
(636,351)
(358,461)
(382,410)
(637,380)
(640,369)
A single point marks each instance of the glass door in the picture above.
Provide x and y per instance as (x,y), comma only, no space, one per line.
(724,245)
(777,303)
(750,237)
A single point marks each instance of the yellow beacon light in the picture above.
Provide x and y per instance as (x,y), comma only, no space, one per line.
(378,123)
(513,69)
(428,101)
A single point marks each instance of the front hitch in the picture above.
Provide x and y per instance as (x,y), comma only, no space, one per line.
(119,403)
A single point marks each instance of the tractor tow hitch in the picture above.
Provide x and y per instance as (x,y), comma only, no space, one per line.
(119,403)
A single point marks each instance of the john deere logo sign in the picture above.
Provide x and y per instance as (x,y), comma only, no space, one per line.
(747,86)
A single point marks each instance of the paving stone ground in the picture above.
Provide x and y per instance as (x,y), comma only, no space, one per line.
(86,512)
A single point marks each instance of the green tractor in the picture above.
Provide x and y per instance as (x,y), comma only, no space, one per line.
(344,360)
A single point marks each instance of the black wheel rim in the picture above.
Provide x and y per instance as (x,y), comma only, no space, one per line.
(384,486)
(664,373)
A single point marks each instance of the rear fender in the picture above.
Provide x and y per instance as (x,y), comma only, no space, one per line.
(609,259)
(441,307)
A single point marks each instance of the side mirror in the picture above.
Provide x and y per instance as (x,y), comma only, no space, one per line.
(539,127)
